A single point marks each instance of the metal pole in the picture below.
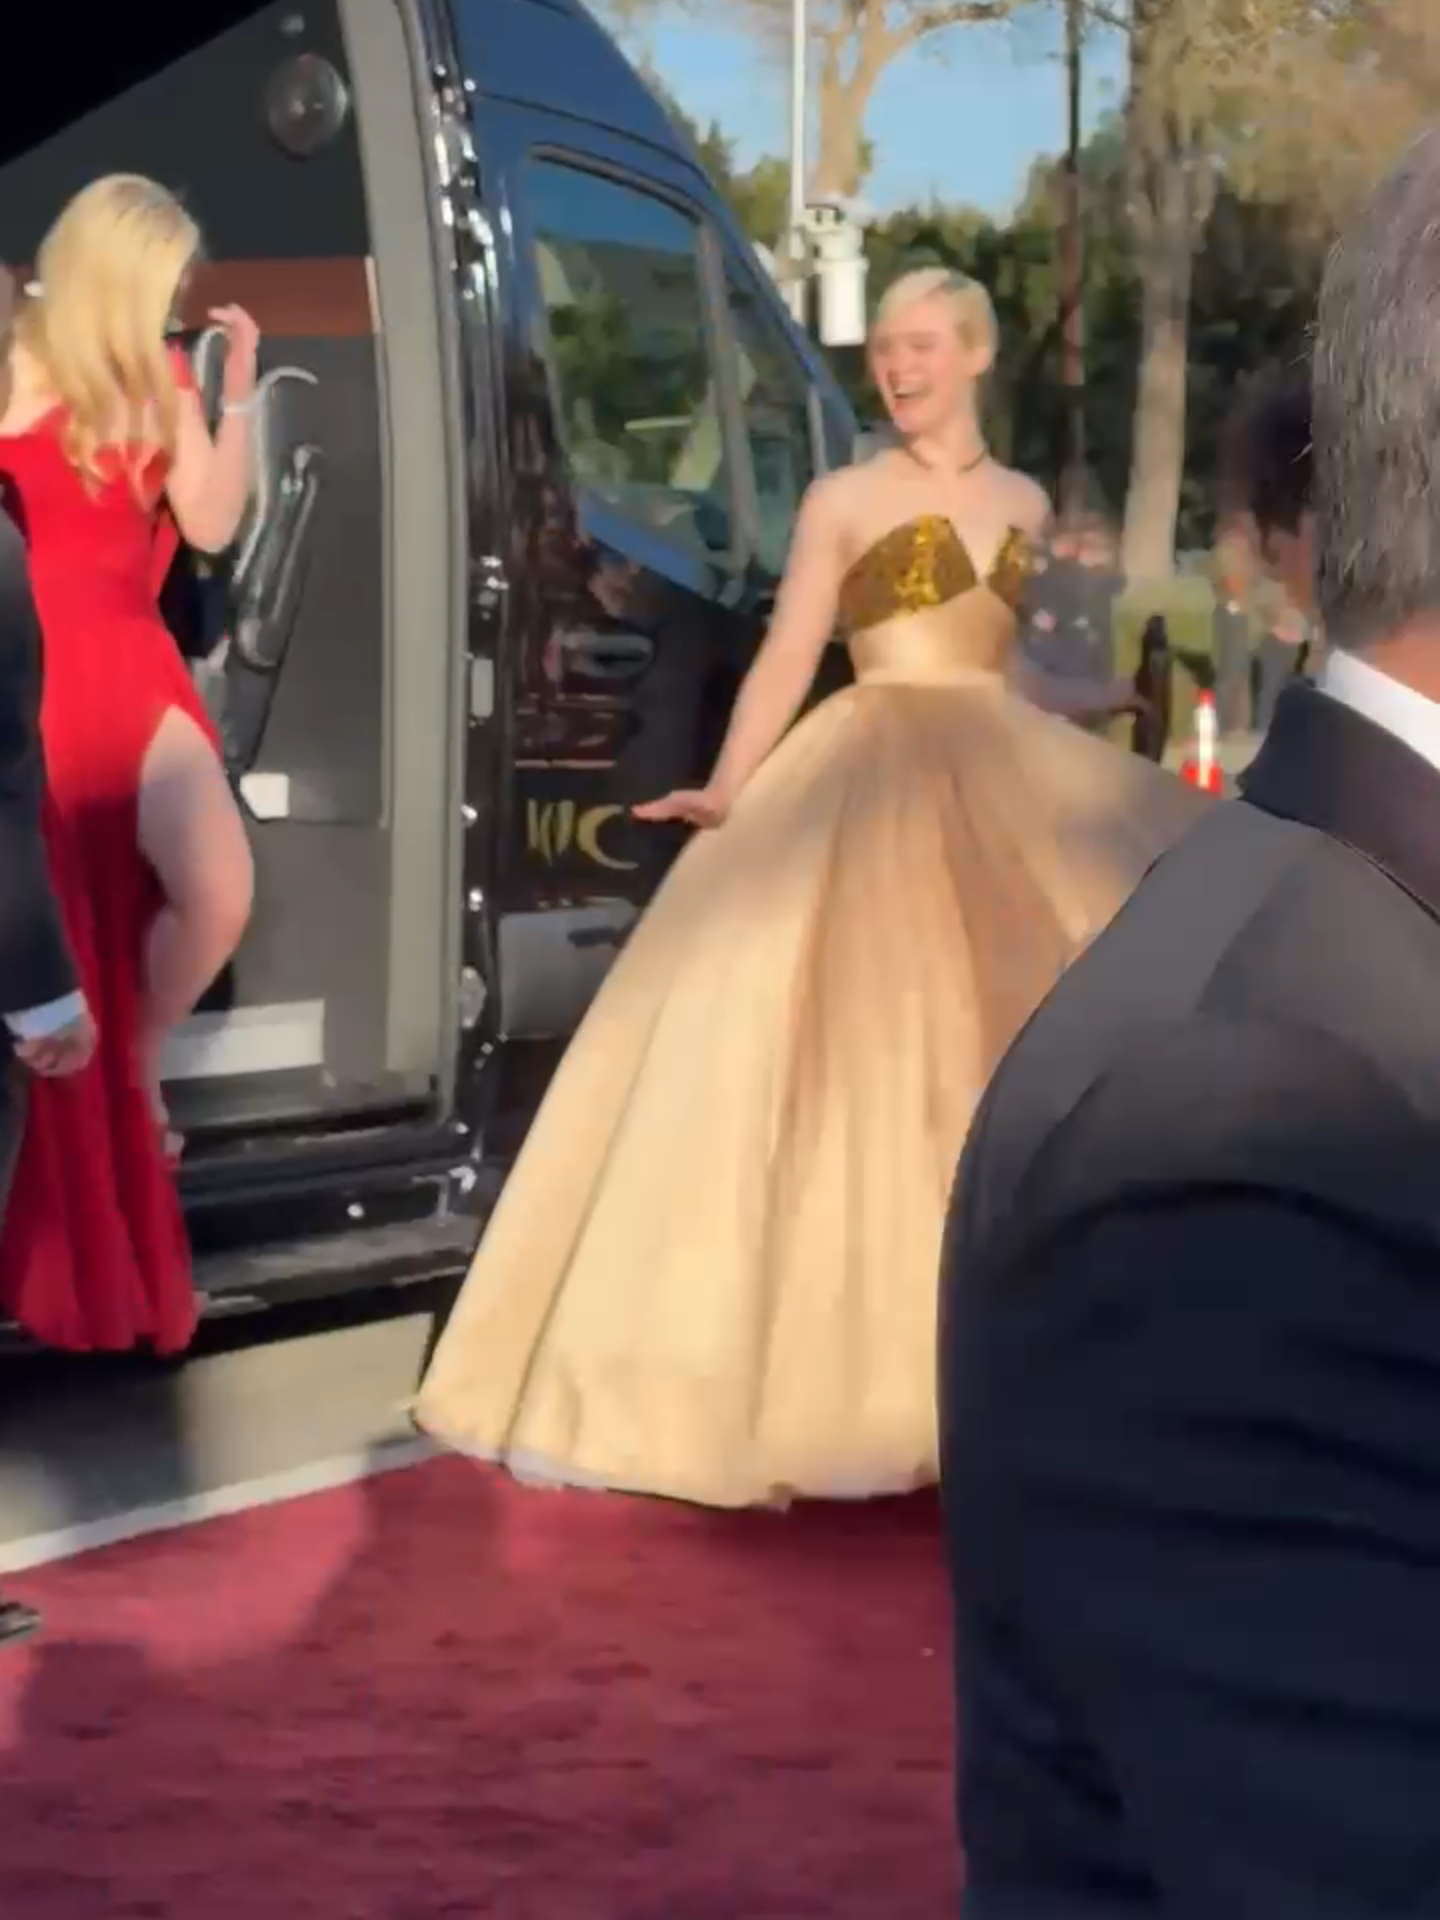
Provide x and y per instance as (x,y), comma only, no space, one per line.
(799,97)
(1073,480)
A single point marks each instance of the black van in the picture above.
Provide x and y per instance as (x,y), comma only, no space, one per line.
(536,426)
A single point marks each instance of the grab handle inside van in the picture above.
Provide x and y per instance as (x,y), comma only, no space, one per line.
(269,589)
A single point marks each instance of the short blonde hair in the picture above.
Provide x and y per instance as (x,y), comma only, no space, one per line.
(973,309)
(108,274)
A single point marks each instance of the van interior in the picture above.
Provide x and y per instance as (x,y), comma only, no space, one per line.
(329,642)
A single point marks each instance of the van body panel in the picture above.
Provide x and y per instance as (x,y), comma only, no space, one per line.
(557,57)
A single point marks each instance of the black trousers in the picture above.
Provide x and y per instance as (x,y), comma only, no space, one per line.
(13,1102)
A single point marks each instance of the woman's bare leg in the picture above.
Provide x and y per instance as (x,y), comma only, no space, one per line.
(193,836)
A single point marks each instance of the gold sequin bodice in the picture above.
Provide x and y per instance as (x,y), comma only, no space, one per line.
(915,609)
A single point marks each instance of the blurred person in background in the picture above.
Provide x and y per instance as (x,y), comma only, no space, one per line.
(1266,484)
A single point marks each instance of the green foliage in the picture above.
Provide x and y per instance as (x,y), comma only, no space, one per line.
(1255,286)
(609,377)
(1255,283)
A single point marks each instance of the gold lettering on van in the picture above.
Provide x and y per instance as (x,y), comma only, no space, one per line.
(553,827)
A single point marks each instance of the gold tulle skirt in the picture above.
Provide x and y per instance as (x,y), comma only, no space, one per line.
(713,1271)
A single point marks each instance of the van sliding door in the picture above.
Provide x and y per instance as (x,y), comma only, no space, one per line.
(626,634)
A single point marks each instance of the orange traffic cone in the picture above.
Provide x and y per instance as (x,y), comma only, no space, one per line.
(1200,767)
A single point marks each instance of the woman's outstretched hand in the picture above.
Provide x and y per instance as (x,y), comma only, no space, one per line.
(694,806)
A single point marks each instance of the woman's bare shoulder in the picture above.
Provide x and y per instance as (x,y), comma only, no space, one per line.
(1027,504)
(851,497)
(835,501)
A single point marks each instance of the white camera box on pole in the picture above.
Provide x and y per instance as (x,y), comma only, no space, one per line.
(838,239)
(840,265)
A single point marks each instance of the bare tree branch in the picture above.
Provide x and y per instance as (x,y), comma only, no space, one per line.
(919,23)
(1101,15)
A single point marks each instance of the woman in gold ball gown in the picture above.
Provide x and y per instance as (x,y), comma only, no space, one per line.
(712,1272)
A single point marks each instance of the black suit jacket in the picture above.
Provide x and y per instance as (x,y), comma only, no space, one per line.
(1191,1377)
(35,965)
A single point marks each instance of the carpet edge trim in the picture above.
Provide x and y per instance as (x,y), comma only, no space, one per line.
(216,1503)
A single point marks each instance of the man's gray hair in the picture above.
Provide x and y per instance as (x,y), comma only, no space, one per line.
(1377,410)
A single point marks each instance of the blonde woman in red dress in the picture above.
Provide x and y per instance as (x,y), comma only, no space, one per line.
(102,443)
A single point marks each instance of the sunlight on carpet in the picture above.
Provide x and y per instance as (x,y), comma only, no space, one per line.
(435,1694)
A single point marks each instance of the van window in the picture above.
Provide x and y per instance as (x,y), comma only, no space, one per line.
(775,404)
(621,280)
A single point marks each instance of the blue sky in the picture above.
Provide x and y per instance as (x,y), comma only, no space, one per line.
(960,120)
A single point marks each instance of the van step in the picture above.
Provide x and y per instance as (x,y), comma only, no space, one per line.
(292,1272)
(407,1253)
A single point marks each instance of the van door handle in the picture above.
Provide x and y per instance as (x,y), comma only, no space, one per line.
(621,657)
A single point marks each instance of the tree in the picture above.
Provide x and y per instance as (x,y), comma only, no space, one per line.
(853,44)
(1074,484)
(1333,104)
(1262,119)
(1109,304)
(1298,103)
(760,200)
(1171,181)
(1188,60)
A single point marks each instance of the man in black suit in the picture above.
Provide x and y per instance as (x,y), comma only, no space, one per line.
(47,1026)
(1191,1343)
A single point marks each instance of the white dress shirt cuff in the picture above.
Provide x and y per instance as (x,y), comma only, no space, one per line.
(38,1023)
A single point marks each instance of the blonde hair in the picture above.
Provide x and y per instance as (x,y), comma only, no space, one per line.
(971,305)
(108,273)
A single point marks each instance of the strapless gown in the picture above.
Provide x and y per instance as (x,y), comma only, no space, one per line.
(712,1273)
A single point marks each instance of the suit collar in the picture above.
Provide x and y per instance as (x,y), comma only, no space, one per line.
(1401,710)
(1331,768)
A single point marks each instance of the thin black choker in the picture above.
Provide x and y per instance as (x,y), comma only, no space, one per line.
(968,467)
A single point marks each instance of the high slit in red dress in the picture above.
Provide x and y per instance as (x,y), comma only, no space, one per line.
(93,1252)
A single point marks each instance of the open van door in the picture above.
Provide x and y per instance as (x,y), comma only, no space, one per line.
(329,1071)
(663,423)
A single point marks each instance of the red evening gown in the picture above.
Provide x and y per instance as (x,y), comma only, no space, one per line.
(93,1253)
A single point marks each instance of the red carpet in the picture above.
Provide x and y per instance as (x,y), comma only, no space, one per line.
(436,1695)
